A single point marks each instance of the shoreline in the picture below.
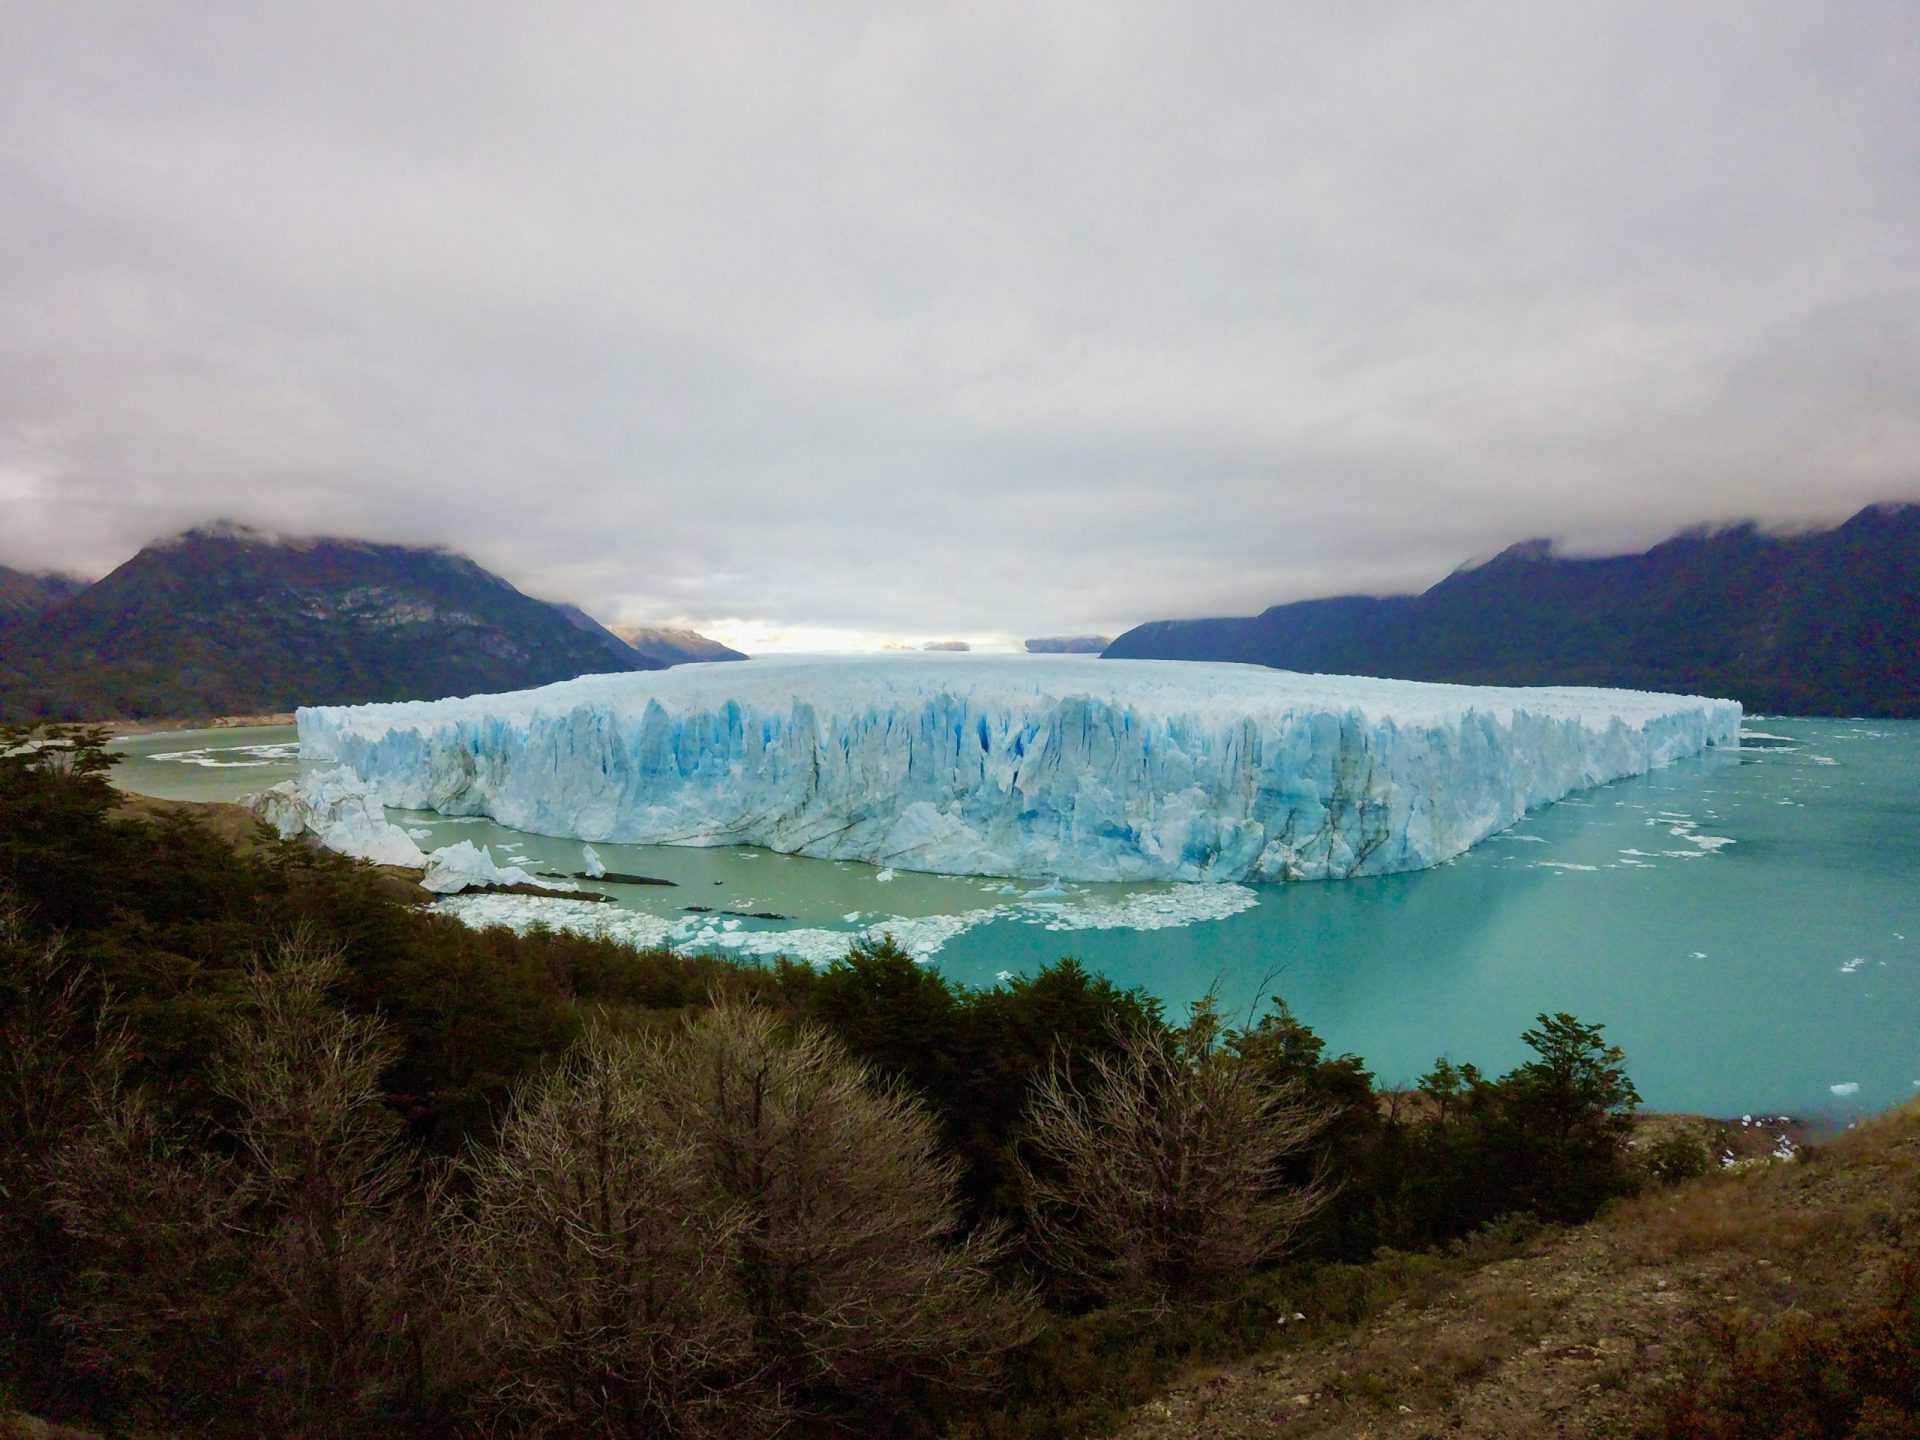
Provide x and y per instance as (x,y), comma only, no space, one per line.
(123,729)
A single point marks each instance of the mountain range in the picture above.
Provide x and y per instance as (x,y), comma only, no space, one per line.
(1068,645)
(224,619)
(1819,623)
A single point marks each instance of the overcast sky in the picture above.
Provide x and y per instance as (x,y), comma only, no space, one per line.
(808,323)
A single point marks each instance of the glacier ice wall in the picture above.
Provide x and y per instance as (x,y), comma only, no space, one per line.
(1023,766)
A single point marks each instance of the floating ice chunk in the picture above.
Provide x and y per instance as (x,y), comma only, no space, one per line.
(1848,967)
(520,913)
(212,757)
(1846,1087)
(420,832)
(590,862)
(1823,760)
(1697,955)
(340,810)
(1562,865)
(453,868)
(1148,910)
(885,875)
(1031,768)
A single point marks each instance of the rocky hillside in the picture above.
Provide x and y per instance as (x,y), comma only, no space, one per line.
(671,645)
(224,619)
(1826,623)
(1760,1300)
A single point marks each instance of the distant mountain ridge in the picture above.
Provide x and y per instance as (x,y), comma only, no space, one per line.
(674,645)
(1822,623)
(25,594)
(224,619)
(1068,644)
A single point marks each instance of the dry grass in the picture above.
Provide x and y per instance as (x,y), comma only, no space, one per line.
(1835,1200)
(15,1426)
(1715,1214)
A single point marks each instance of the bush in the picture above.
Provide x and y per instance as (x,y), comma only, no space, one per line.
(1856,1378)
(1156,1172)
(718,1230)
(1677,1157)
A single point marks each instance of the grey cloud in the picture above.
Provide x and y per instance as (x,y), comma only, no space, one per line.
(964,319)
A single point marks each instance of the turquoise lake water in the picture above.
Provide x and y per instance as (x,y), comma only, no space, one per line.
(1746,924)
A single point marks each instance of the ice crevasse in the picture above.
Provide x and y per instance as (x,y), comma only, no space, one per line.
(1020,766)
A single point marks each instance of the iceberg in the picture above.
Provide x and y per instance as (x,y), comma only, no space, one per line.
(344,814)
(452,868)
(1033,766)
(341,811)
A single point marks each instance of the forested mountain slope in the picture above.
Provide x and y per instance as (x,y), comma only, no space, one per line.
(1826,623)
(223,620)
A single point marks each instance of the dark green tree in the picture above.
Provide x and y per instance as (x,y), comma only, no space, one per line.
(1568,1114)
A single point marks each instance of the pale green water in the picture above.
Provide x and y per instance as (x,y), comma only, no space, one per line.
(1749,976)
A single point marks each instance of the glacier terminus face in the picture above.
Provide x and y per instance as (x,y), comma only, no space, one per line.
(1029,766)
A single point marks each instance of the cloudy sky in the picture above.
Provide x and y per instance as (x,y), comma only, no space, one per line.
(809,323)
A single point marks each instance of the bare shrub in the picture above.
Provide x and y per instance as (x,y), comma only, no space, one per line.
(287,1278)
(161,1304)
(718,1230)
(339,1231)
(597,1265)
(54,1048)
(852,1264)
(1157,1171)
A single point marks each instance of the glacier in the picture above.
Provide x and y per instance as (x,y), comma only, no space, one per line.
(1028,766)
